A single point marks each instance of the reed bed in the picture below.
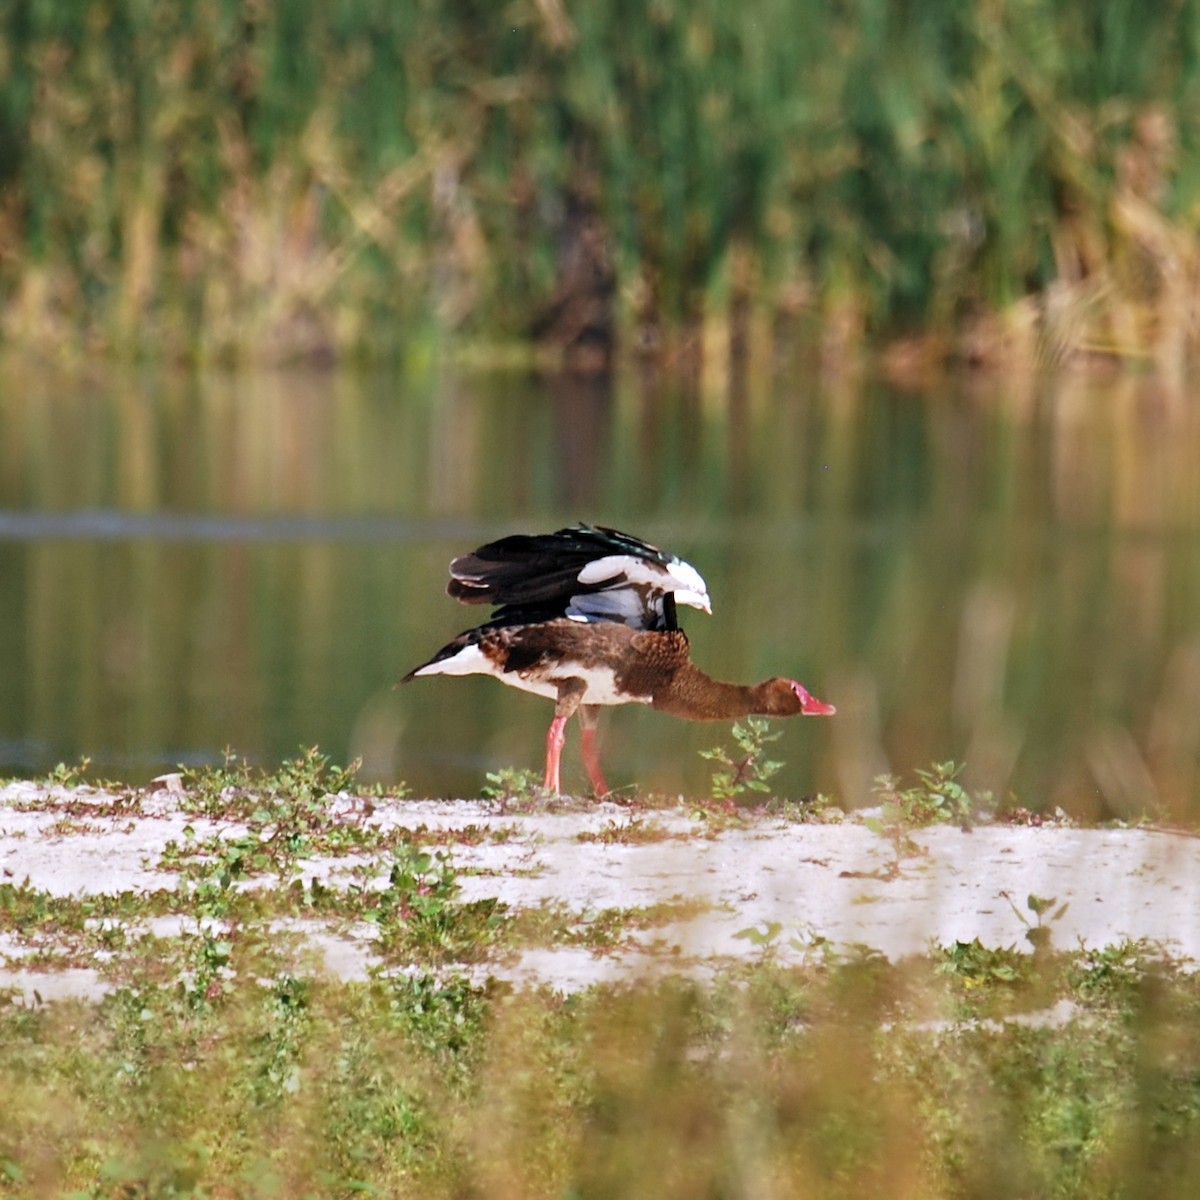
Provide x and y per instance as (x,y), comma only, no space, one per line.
(231,180)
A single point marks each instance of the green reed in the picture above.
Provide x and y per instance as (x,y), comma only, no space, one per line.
(227,179)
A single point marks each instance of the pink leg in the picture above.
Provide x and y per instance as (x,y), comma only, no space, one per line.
(591,759)
(554,744)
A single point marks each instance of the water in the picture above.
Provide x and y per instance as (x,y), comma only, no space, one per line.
(1002,573)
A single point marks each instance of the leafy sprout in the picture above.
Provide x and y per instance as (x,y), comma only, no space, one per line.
(747,770)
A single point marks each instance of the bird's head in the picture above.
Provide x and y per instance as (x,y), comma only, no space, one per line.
(787,698)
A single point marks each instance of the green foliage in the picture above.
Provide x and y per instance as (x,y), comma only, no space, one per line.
(419,1085)
(1114,975)
(511,785)
(306,175)
(976,966)
(69,776)
(295,795)
(305,807)
(598,930)
(1037,931)
(217,1063)
(417,913)
(811,946)
(936,799)
(746,770)
(633,832)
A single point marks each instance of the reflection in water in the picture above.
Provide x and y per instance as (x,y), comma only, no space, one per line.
(190,562)
(582,411)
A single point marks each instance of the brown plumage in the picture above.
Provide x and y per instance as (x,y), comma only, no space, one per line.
(585,661)
(648,666)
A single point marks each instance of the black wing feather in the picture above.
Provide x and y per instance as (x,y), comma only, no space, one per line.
(530,568)
(533,577)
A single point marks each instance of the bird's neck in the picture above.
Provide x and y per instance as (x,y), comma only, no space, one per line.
(698,697)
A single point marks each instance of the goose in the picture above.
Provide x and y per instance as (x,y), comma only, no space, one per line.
(588,616)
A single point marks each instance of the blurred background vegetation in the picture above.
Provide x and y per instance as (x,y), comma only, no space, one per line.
(231,179)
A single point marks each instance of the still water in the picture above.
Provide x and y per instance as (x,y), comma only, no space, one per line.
(1001,572)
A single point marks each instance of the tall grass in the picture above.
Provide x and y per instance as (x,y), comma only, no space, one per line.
(232,179)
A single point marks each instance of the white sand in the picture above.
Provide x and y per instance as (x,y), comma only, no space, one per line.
(811,880)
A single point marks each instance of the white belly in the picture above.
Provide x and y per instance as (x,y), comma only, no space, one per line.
(601,684)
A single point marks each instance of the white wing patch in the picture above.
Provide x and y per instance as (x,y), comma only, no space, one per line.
(692,589)
(679,577)
(613,566)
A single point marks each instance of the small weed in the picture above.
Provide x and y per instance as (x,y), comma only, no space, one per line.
(634,832)
(461,835)
(307,807)
(720,816)
(513,785)
(299,791)
(69,826)
(69,776)
(1110,975)
(890,826)
(763,938)
(817,809)
(418,914)
(1014,814)
(975,965)
(74,803)
(1037,932)
(747,770)
(554,923)
(444,1015)
(936,800)
(211,975)
(812,946)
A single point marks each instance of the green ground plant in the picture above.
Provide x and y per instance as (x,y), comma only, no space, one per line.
(513,786)
(937,798)
(293,796)
(828,1079)
(65,775)
(220,1062)
(1039,926)
(747,769)
(308,806)
(634,832)
(419,916)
